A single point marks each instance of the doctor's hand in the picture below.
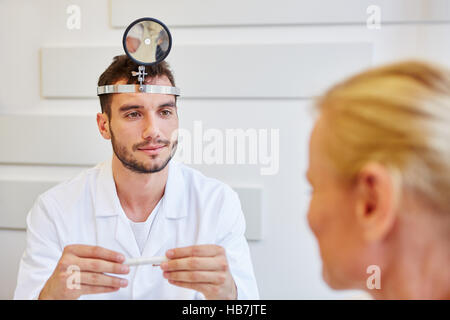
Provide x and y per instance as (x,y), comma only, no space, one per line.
(203,268)
(89,263)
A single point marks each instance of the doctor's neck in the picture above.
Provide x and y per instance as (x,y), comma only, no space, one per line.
(138,193)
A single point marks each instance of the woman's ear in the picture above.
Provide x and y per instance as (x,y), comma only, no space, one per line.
(103,125)
(375,201)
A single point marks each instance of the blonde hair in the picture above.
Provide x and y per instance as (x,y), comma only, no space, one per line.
(397,115)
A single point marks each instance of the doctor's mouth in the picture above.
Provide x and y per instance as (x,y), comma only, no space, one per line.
(152,150)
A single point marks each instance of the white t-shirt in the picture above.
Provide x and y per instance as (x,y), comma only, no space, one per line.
(141,230)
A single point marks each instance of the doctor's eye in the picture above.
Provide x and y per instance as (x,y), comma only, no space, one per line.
(133,115)
(166,113)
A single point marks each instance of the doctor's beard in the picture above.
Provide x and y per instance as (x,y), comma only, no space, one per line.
(133,164)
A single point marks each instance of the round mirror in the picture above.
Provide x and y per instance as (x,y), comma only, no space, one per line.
(147,41)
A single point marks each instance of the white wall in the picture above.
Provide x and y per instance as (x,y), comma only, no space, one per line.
(47,114)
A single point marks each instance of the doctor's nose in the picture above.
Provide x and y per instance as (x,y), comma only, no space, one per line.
(151,129)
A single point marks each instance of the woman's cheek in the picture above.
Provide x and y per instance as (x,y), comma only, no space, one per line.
(314,215)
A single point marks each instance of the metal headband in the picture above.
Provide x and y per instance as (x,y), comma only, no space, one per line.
(131,88)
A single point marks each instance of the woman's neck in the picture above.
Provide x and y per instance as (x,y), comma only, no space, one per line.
(418,263)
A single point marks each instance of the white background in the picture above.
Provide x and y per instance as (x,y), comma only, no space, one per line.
(50,137)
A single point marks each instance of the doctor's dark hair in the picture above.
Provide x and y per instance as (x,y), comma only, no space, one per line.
(120,69)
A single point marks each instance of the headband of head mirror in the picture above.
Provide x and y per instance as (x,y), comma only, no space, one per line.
(146,41)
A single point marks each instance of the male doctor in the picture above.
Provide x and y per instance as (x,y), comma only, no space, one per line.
(140,203)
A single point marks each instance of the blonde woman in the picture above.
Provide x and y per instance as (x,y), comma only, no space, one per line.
(379,168)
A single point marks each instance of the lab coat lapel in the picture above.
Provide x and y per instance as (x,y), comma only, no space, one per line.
(113,229)
(164,232)
(162,236)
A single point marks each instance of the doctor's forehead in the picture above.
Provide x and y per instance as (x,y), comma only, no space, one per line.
(144,99)
(161,80)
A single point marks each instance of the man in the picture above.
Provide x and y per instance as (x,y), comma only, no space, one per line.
(141,203)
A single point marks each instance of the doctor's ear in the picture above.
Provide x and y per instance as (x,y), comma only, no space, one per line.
(375,202)
(103,125)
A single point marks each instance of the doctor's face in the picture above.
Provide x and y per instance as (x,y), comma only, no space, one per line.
(143,128)
(331,217)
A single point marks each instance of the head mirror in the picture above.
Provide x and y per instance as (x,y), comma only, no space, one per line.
(147,41)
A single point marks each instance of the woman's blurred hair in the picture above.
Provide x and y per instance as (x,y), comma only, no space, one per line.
(397,115)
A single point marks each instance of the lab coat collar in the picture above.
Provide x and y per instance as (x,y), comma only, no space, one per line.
(106,200)
(173,205)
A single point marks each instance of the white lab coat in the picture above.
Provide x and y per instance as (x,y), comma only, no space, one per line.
(86,210)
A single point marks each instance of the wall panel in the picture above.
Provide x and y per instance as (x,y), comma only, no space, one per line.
(290,70)
(280,12)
